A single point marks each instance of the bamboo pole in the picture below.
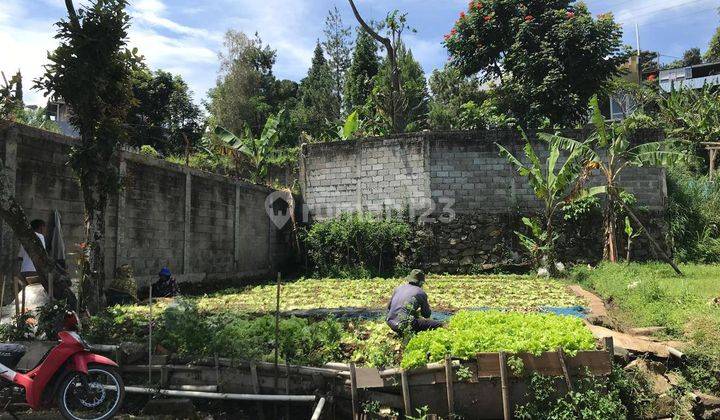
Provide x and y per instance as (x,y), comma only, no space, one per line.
(218,396)
(277,332)
(563,366)
(449,387)
(150,316)
(407,401)
(354,393)
(318,409)
(505,386)
(2,295)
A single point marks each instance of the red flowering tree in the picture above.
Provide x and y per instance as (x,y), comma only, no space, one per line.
(548,57)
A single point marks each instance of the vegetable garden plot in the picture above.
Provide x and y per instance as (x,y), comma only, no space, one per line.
(446,293)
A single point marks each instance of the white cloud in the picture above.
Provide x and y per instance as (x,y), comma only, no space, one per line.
(647,11)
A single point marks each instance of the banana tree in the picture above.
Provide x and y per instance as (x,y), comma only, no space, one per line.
(259,150)
(352,126)
(555,187)
(610,151)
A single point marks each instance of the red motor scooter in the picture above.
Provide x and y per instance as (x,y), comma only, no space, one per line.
(85,386)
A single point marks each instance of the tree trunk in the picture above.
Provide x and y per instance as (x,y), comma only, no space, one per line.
(610,225)
(93,281)
(13,214)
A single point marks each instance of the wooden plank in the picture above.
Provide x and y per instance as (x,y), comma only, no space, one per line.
(449,378)
(505,385)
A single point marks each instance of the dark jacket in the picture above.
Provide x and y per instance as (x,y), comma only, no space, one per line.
(408,302)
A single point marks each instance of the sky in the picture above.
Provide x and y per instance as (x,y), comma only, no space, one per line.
(185,36)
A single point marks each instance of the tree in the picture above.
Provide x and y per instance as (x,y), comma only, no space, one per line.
(318,104)
(395,24)
(712,55)
(245,84)
(648,61)
(610,150)
(338,47)
(549,57)
(11,96)
(692,57)
(91,70)
(555,187)
(259,149)
(365,65)
(164,115)
(410,103)
(451,90)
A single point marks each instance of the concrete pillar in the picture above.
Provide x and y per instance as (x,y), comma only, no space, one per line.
(187,222)
(8,246)
(120,235)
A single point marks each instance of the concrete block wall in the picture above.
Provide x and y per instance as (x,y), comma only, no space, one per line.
(463,166)
(204,227)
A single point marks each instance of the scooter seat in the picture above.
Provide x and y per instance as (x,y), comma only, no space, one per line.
(10,354)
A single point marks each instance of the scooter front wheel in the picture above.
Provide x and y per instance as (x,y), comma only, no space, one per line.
(97,396)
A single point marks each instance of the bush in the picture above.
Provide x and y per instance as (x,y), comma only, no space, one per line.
(694,217)
(356,245)
(470,333)
(591,400)
(148,150)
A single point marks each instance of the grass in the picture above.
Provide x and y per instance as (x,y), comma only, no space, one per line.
(645,295)
(444,292)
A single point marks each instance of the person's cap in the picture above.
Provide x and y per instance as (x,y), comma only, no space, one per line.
(165,272)
(416,276)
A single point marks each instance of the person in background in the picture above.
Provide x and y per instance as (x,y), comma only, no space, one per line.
(27,268)
(166,286)
(409,309)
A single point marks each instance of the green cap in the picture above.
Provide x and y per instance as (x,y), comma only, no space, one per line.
(416,276)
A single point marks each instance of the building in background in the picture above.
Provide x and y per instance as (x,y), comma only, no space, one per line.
(691,77)
(59,112)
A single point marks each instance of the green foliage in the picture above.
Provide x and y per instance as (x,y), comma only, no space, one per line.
(365,66)
(372,344)
(483,117)
(411,101)
(450,91)
(338,47)
(591,400)
(11,96)
(693,115)
(19,329)
(694,217)
(713,52)
(356,244)
(555,187)
(259,150)
(148,150)
(164,114)
(651,295)
(470,333)
(51,318)
(549,58)
(319,104)
(247,92)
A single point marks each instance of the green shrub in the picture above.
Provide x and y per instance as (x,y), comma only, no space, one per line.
(148,150)
(590,400)
(694,217)
(470,333)
(356,245)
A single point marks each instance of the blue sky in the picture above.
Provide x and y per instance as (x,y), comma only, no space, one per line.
(185,36)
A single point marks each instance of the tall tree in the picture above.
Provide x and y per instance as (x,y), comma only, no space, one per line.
(692,57)
(338,47)
(91,70)
(245,84)
(549,57)
(164,115)
(365,65)
(410,103)
(318,103)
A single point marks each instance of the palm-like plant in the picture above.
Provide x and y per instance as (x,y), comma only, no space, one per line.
(610,151)
(259,150)
(555,187)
